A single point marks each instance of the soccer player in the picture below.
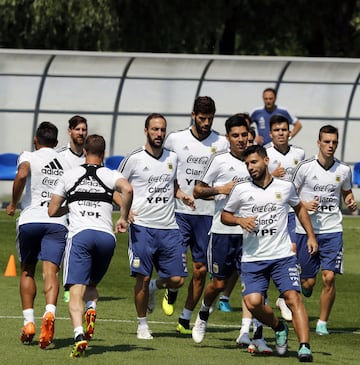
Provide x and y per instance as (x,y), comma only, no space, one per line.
(73,151)
(260,207)
(194,147)
(224,300)
(88,190)
(284,158)
(321,181)
(154,237)
(223,170)
(261,117)
(39,237)
(74,154)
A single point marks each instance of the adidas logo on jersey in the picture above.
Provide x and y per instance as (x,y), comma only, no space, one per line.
(53,168)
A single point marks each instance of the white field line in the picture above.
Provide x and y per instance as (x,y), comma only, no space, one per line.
(161,322)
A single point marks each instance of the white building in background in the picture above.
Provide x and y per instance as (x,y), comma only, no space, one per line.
(116,91)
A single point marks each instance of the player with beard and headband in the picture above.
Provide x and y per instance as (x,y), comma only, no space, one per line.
(194,146)
(222,172)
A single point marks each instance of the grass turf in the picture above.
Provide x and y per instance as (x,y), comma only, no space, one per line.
(115,334)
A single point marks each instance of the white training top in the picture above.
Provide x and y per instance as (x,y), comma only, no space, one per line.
(72,158)
(152,180)
(193,156)
(288,161)
(89,197)
(222,168)
(312,180)
(46,169)
(270,239)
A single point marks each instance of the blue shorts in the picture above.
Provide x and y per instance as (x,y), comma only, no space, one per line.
(41,241)
(159,248)
(329,256)
(284,272)
(195,230)
(87,257)
(224,254)
(291,226)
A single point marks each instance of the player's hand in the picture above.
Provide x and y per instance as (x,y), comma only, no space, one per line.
(351,205)
(312,247)
(188,200)
(279,171)
(121,226)
(11,209)
(312,205)
(225,189)
(248,223)
(131,217)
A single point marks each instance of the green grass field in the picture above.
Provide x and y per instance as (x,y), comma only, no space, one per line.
(115,339)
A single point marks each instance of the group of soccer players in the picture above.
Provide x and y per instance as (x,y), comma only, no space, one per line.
(260,211)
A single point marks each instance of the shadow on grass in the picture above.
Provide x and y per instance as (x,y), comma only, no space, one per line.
(98,349)
(109,299)
(95,347)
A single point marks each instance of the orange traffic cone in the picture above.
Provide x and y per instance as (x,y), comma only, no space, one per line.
(11,267)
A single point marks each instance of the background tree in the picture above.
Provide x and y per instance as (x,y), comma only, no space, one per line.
(263,27)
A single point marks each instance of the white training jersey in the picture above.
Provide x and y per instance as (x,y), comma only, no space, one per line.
(270,239)
(193,156)
(312,180)
(152,180)
(72,158)
(288,160)
(89,193)
(46,169)
(222,168)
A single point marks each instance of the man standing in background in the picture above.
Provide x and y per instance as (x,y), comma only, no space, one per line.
(261,117)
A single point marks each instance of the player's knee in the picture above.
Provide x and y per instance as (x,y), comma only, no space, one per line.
(176,282)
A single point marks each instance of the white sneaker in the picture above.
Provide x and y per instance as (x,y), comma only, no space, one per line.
(243,340)
(199,330)
(259,346)
(284,309)
(151,302)
(144,333)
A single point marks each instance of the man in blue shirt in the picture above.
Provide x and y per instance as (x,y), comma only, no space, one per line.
(260,117)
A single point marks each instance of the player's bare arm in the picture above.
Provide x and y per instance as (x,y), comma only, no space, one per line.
(349,200)
(304,218)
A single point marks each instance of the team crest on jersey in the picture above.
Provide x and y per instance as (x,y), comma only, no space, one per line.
(213,149)
(170,166)
(215,268)
(296,161)
(337,178)
(278,196)
(136,263)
